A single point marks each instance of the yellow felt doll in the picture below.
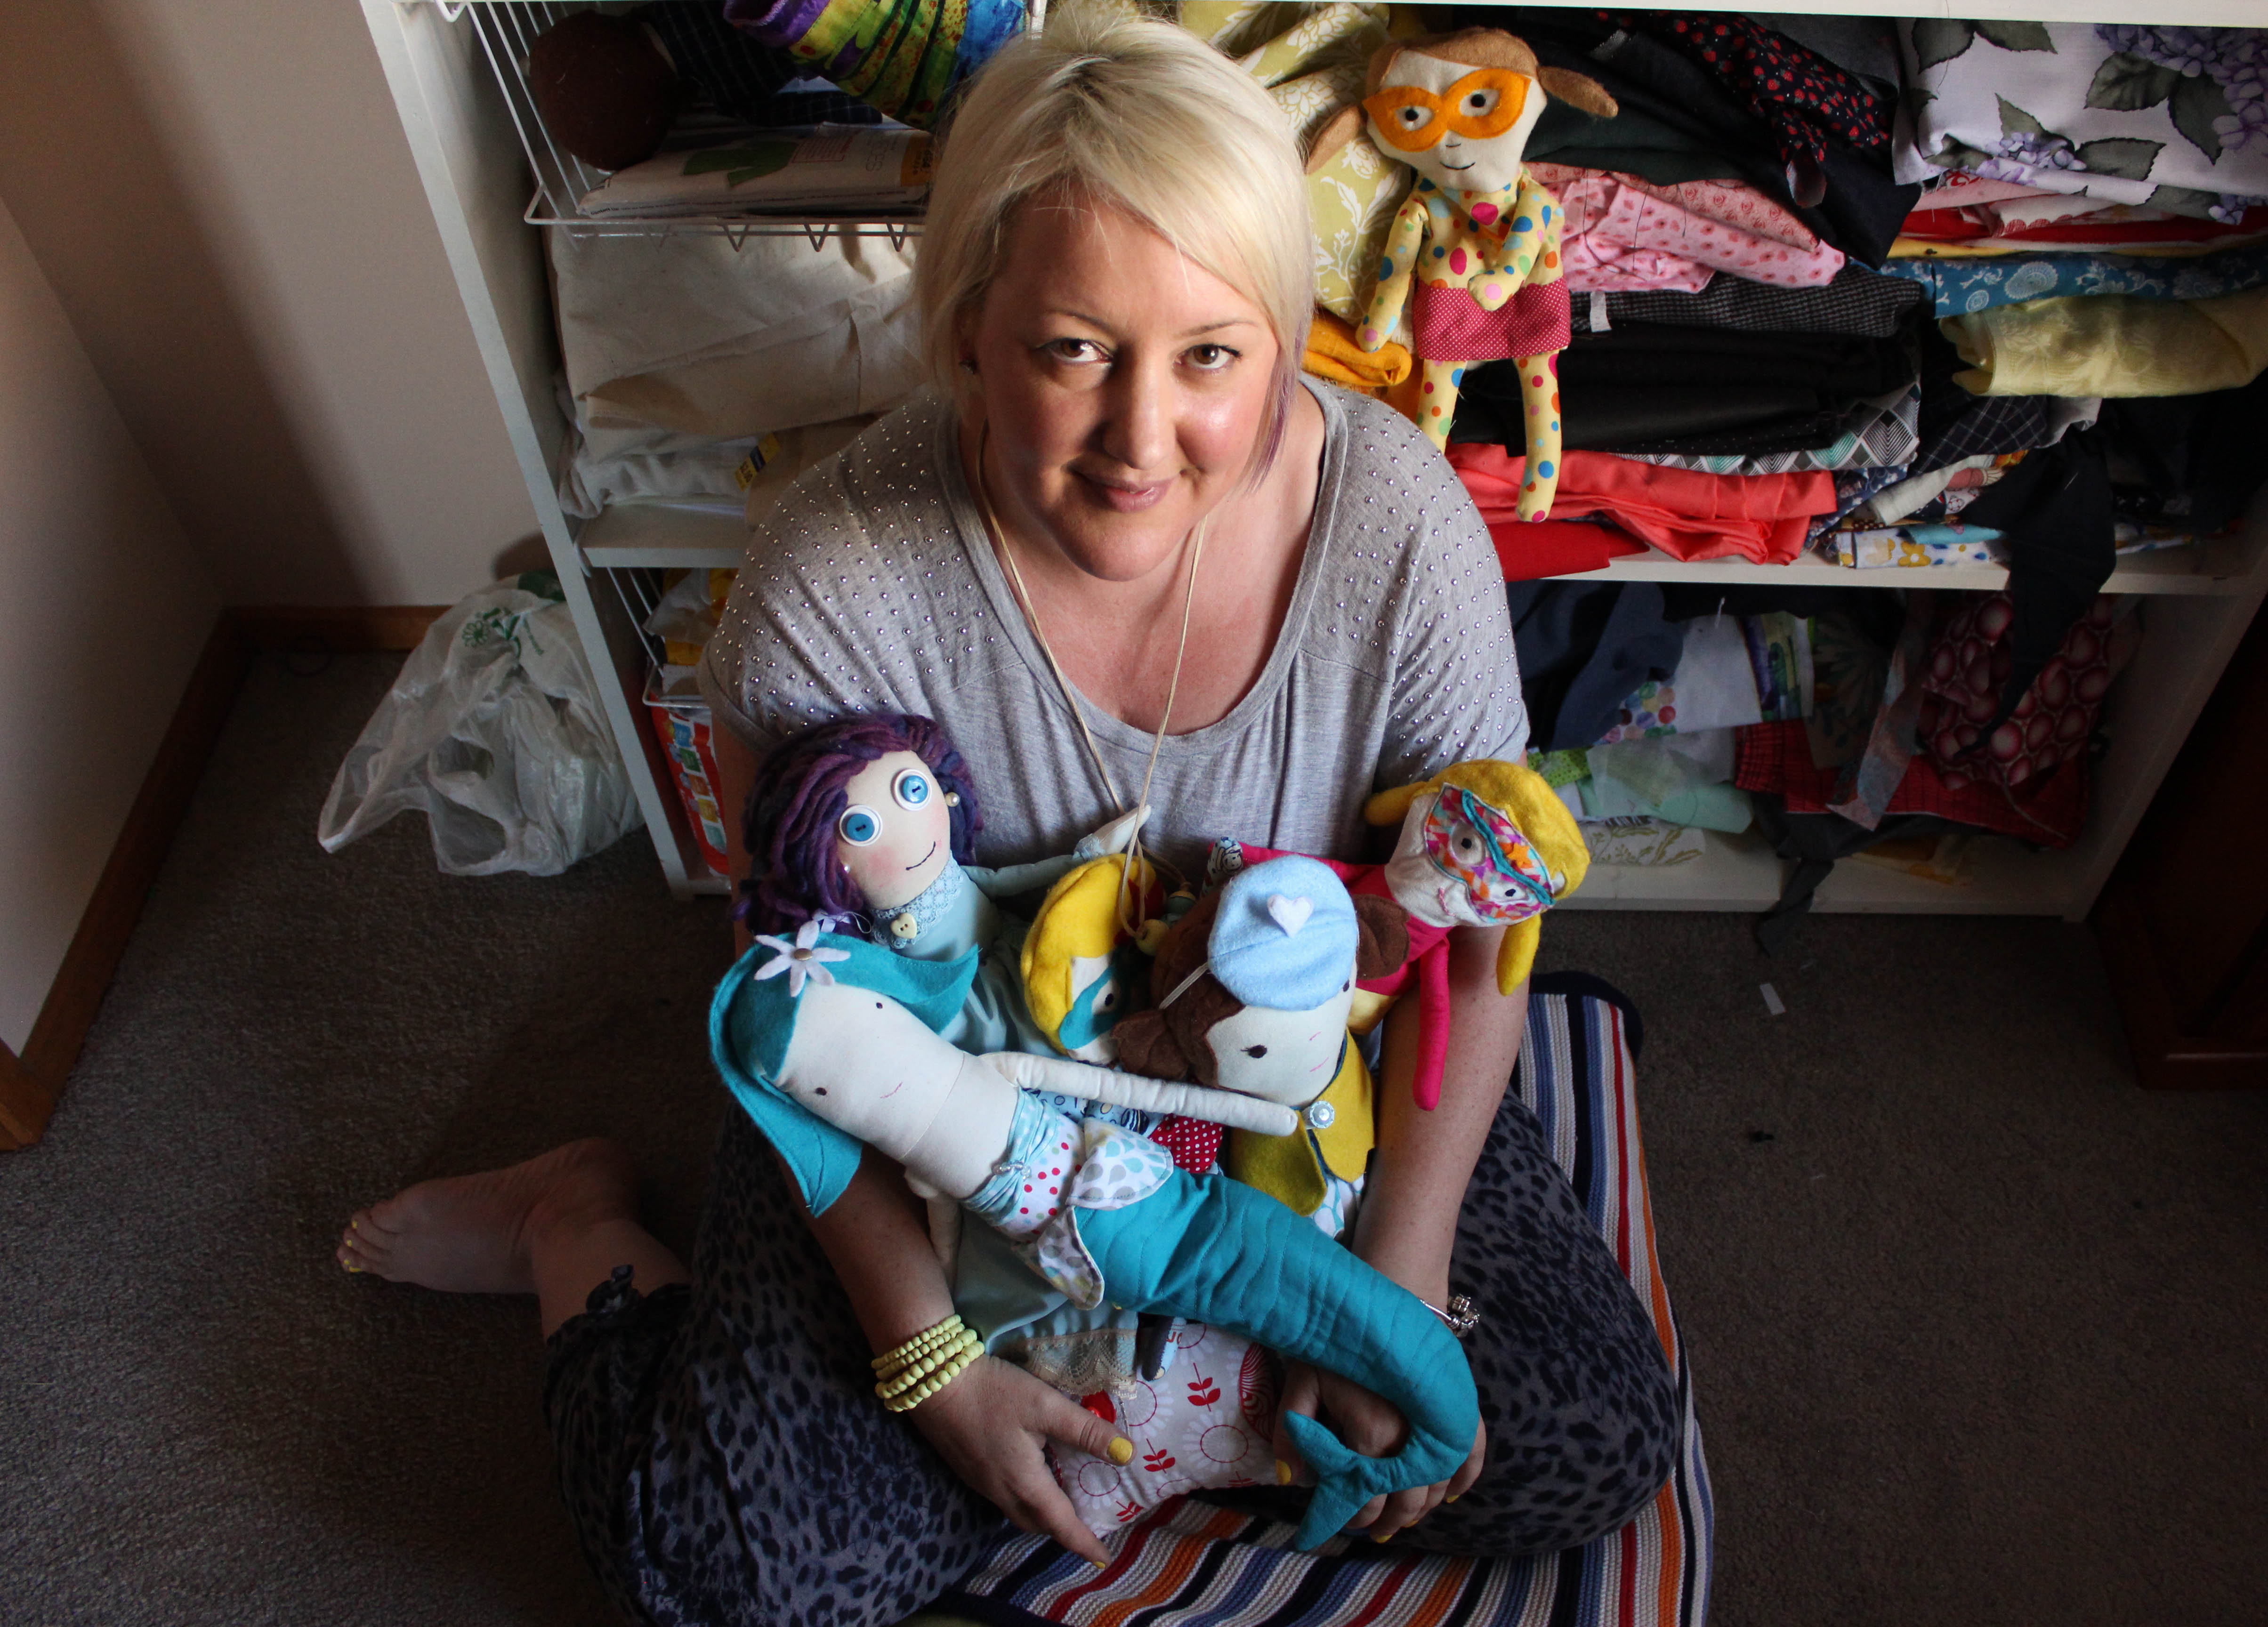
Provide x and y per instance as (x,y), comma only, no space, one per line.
(1473,251)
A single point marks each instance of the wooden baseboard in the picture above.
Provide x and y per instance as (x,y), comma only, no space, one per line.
(2165,1058)
(347,628)
(30,1083)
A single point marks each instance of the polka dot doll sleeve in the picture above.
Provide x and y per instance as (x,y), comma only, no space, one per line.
(1395,273)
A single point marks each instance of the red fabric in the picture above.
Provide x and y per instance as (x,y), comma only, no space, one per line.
(1777,757)
(1195,1144)
(2188,229)
(1686,514)
(1449,326)
(1968,671)
(1546,547)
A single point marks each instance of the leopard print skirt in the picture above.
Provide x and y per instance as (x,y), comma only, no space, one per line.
(724,1460)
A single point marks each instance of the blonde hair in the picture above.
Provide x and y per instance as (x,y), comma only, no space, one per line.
(1137,113)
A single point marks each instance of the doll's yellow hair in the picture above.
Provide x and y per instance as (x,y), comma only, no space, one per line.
(1079,919)
(1522,795)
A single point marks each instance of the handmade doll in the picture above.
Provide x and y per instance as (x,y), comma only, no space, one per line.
(1254,989)
(1487,843)
(1478,237)
(831,1042)
(874,819)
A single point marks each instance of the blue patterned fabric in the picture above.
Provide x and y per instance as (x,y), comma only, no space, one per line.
(1960,286)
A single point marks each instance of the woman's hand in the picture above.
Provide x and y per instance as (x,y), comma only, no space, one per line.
(1373,1426)
(992,1426)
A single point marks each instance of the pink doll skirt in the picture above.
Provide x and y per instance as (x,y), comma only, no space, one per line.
(1450,326)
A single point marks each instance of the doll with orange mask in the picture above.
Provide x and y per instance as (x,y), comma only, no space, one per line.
(1476,241)
(1486,844)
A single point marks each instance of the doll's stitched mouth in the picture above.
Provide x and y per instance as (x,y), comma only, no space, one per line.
(1447,164)
(924,859)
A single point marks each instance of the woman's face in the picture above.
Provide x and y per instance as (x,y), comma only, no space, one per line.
(1124,388)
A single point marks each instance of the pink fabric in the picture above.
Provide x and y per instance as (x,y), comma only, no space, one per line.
(1621,237)
(1730,202)
(1450,325)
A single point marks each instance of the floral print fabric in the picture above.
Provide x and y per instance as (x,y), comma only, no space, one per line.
(2169,117)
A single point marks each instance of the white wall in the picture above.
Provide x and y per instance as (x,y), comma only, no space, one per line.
(106,608)
(220,194)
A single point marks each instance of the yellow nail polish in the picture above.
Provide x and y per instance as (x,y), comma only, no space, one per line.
(1453,1497)
(1099,1565)
(1283,1472)
(1122,1450)
(1380,1536)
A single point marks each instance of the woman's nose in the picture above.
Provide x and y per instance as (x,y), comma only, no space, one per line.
(1139,432)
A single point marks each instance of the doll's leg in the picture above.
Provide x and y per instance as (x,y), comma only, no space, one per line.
(1436,398)
(720,1447)
(1539,400)
(1580,1407)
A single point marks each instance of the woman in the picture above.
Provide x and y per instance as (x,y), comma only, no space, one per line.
(1125,554)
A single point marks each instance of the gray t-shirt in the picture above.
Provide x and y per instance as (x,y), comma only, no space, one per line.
(871,587)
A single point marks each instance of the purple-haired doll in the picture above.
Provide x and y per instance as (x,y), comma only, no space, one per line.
(872,821)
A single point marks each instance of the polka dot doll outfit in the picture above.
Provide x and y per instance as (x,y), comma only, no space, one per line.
(1481,276)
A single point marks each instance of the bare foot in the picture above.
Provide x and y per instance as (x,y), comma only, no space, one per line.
(476,1233)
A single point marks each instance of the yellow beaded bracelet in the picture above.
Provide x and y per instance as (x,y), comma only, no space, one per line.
(897,1383)
(930,1357)
(930,1385)
(926,1339)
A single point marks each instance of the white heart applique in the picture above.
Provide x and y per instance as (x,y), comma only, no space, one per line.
(1291,913)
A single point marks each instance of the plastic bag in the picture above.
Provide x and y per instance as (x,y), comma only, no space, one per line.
(493,731)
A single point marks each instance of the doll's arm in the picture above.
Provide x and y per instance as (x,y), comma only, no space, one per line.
(1433,1025)
(1402,241)
(1010,880)
(1126,1090)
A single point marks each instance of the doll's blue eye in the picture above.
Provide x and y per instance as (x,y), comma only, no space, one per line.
(859,826)
(911,789)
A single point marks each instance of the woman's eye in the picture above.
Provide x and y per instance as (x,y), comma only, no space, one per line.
(1074,350)
(1255,1051)
(859,826)
(911,789)
(1211,358)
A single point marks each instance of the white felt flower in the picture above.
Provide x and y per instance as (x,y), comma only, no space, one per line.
(802,959)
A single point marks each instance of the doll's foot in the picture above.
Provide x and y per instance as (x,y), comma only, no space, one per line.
(478,1233)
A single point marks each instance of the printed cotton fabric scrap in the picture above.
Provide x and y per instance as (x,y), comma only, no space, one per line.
(2169,117)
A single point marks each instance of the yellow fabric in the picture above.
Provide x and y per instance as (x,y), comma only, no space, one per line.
(1311,58)
(2113,344)
(1333,354)
(1078,919)
(1998,248)
(1523,795)
(1369,1010)
(1290,1168)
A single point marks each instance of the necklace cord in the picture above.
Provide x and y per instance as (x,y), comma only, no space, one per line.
(997,535)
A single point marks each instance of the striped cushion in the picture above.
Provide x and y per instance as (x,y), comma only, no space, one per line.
(1190,1564)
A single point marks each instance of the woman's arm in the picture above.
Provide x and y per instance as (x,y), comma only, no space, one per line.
(992,1424)
(1407,1224)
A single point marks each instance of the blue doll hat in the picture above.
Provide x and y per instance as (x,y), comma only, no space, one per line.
(1285,937)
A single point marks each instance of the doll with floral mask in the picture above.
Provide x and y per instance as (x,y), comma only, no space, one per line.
(1486,844)
(873,819)
(1477,240)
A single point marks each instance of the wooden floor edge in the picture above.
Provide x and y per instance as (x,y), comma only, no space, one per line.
(30,1084)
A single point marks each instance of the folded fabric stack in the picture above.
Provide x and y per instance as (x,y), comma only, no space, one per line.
(1735,348)
(701,375)
(2092,242)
